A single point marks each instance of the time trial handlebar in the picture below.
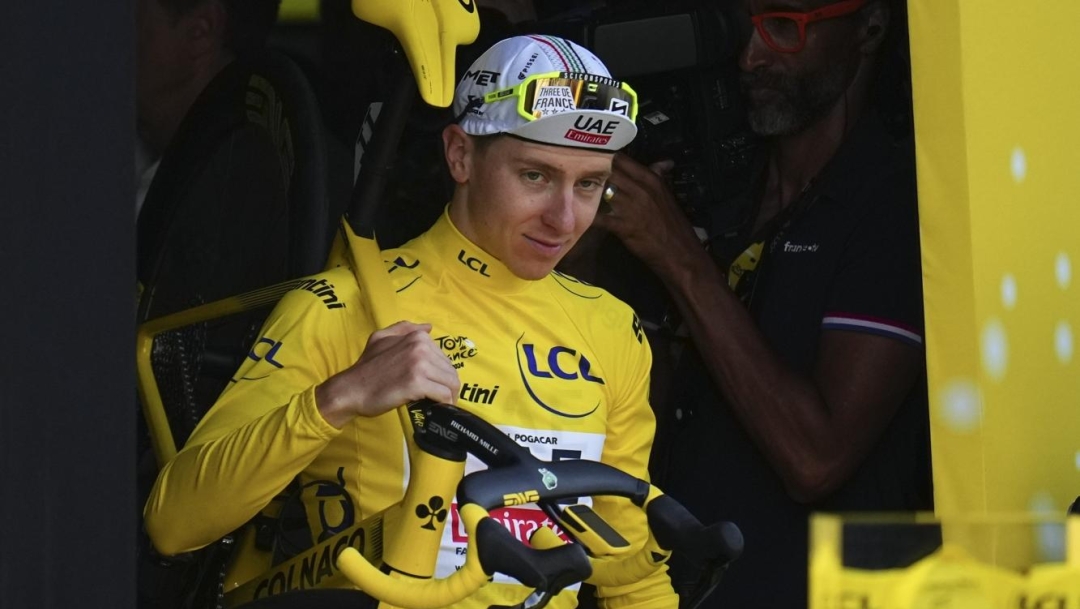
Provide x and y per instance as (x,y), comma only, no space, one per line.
(515,477)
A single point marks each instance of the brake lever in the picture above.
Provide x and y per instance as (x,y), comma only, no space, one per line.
(713,547)
(706,583)
(546,571)
(676,527)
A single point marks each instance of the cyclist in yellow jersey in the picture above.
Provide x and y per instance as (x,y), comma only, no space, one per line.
(560,366)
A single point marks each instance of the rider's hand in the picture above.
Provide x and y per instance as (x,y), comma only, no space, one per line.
(646,217)
(400,364)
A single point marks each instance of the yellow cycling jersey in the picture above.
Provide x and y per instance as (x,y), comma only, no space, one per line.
(560,366)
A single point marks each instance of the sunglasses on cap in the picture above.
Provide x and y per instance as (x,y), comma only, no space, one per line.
(557,92)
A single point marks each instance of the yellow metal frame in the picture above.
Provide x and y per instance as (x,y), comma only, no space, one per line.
(149,394)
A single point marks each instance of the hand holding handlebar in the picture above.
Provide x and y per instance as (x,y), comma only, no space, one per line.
(514,475)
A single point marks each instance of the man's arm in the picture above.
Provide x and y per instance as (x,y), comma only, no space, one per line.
(627,445)
(814,431)
(400,364)
(281,412)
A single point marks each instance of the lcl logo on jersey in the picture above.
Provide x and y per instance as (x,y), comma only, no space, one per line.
(547,373)
(265,350)
(473,263)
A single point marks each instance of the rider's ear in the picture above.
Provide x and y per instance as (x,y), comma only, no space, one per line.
(875,25)
(458,148)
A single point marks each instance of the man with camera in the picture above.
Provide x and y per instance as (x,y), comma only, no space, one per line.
(806,390)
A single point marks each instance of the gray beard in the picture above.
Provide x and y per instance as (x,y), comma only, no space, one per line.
(803,100)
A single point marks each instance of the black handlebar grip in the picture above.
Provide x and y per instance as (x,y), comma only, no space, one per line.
(544,570)
(676,528)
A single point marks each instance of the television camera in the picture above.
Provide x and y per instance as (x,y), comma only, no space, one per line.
(681,58)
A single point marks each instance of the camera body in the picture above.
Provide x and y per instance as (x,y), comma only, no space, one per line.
(682,60)
(681,57)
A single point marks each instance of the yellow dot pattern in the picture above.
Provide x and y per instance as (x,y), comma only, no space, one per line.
(997,138)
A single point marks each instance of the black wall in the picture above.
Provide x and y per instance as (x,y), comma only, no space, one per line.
(67,407)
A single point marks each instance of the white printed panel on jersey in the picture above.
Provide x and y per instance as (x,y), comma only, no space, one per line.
(522,521)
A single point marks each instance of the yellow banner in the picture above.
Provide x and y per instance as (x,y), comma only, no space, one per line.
(997,115)
(949,577)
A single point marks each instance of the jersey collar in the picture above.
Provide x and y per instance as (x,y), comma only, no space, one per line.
(467,262)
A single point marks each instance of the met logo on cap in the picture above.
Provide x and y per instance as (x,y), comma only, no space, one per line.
(482,78)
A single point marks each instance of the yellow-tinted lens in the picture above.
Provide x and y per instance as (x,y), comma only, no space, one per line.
(544,96)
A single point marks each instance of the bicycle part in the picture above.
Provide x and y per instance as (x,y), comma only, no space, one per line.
(588,527)
(430,31)
(418,521)
(671,528)
(494,549)
(515,477)
(714,547)
(419,593)
(546,571)
(315,567)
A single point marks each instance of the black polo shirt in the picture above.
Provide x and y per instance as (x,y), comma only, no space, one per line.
(846,259)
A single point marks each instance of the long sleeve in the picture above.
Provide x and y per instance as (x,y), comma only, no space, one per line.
(630,430)
(264,429)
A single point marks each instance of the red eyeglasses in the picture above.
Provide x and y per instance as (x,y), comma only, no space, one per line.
(786,32)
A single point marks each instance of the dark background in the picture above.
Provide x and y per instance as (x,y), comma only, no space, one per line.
(67,237)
